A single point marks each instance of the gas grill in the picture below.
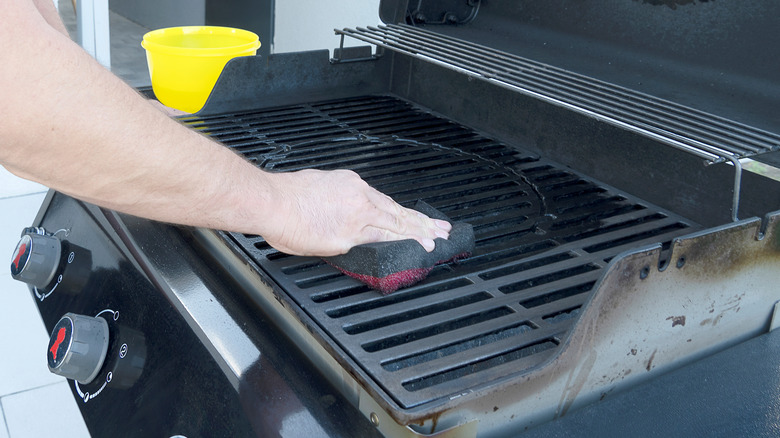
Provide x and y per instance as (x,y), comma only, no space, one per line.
(608,208)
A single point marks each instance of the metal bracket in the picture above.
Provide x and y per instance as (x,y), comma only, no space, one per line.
(355,54)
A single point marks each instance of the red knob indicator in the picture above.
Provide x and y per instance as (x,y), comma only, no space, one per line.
(78,347)
(36,259)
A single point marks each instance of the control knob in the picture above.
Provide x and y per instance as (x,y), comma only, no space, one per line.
(36,259)
(78,347)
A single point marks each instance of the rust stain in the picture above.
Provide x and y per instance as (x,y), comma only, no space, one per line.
(434,417)
(677,320)
(650,362)
(733,305)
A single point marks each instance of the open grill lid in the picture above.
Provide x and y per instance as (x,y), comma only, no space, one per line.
(707,55)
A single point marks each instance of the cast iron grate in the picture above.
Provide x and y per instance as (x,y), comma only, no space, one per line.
(543,238)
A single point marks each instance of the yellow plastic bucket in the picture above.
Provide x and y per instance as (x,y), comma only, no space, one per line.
(185,62)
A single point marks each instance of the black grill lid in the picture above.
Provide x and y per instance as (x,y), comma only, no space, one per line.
(707,55)
(543,238)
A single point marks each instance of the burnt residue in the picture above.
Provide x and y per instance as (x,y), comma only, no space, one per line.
(672,4)
(650,361)
(733,305)
(712,256)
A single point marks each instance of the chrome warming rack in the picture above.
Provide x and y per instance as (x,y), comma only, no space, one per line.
(714,139)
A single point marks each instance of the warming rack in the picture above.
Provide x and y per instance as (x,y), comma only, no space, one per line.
(714,139)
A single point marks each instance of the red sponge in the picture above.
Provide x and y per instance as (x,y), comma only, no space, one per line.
(389,266)
(391,282)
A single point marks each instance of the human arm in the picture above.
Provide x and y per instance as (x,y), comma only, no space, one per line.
(73,126)
(49,13)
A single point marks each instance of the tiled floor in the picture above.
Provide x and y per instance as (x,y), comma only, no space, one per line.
(34,402)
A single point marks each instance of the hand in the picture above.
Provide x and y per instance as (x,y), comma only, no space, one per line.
(326,213)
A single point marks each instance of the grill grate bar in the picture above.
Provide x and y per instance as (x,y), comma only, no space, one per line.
(443,365)
(443,350)
(509,299)
(500,369)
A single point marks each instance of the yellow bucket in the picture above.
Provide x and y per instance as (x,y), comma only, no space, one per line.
(185,62)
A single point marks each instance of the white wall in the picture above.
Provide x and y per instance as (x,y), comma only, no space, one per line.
(308,24)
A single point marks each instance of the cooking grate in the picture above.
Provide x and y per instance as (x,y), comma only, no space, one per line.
(705,135)
(543,238)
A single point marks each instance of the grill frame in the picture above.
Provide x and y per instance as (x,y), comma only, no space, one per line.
(328,123)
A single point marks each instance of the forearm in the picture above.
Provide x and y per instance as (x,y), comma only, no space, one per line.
(75,127)
(49,13)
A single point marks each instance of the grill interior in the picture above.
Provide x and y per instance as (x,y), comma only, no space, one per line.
(544,235)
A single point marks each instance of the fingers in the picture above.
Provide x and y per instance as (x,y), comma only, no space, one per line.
(394,222)
(442,229)
(372,234)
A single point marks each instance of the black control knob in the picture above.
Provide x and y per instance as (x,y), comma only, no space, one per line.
(78,347)
(36,259)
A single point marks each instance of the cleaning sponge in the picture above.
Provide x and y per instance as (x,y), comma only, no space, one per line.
(388,266)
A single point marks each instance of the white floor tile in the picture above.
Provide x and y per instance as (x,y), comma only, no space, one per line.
(12,185)
(23,349)
(24,419)
(16,213)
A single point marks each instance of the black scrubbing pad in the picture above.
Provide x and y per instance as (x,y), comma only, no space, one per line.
(388,266)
